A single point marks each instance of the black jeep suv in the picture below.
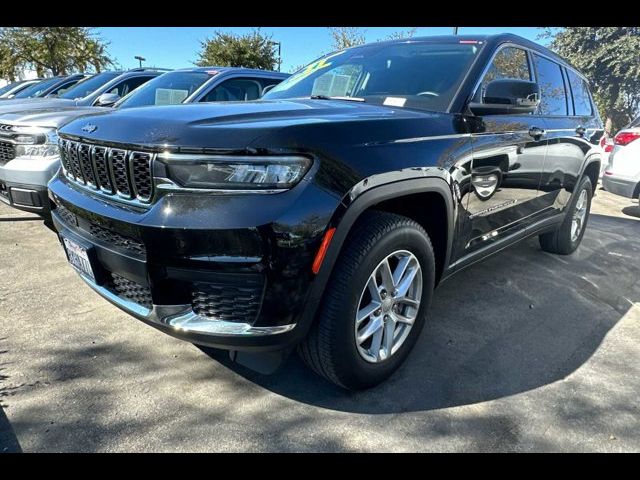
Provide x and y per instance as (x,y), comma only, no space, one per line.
(323,215)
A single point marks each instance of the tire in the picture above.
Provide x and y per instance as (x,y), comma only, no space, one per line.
(562,241)
(331,348)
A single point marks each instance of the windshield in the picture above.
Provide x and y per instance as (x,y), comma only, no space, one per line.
(36,89)
(413,74)
(167,89)
(9,87)
(88,86)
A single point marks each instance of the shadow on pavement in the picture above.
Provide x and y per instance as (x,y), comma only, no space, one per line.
(519,320)
(8,440)
(632,211)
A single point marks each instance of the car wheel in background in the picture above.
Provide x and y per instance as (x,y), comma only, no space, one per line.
(568,236)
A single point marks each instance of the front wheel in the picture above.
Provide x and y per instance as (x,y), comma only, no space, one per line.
(568,236)
(375,302)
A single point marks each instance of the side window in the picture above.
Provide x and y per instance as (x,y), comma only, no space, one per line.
(581,99)
(128,85)
(64,87)
(510,62)
(270,81)
(234,90)
(553,99)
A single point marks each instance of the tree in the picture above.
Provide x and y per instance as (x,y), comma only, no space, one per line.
(346,37)
(609,57)
(59,50)
(9,64)
(253,50)
(400,34)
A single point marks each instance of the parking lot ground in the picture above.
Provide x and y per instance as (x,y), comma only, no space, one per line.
(525,351)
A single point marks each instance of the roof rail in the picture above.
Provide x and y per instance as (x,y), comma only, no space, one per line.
(142,69)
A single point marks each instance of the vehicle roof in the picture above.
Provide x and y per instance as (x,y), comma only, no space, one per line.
(138,70)
(490,40)
(231,69)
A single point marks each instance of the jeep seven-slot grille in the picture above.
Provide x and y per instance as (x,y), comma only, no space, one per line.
(122,173)
(7,152)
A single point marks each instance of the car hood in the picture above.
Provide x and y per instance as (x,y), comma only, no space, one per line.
(19,104)
(53,117)
(232,125)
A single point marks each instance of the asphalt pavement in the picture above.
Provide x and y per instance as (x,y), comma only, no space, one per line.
(526,351)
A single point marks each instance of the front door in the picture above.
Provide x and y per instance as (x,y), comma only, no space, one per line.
(508,160)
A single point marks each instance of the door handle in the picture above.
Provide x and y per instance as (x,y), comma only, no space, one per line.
(536,132)
(581,131)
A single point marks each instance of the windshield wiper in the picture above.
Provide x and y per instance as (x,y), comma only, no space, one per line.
(328,97)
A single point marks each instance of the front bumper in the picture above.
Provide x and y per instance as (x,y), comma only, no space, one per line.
(183,322)
(623,186)
(23,183)
(225,272)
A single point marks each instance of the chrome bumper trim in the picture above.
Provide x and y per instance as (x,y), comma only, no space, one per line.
(183,319)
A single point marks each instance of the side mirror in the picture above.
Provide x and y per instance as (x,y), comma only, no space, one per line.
(508,96)
(267,89)
(107,99)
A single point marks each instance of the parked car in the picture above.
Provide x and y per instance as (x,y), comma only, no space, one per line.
(606,147)
(322,216)
(101,89)
(622,173)
(9,90)
(24,178)
(49,87)
(204,84)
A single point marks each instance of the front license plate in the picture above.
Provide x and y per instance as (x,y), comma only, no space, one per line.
(78,258)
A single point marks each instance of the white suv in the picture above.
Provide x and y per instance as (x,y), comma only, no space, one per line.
(622,174)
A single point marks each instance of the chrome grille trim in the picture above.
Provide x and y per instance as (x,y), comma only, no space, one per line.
(103,171)
(72,152)
(118,160)
(64,158)
(140,165)
(123,175)
(86,165)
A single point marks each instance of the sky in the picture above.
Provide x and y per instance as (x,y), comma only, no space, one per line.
(178,47)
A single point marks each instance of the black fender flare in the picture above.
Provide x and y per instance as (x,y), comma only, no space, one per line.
(348,217)
(590,159)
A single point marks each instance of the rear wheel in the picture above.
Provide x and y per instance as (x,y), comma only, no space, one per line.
(568,236)
(375,302)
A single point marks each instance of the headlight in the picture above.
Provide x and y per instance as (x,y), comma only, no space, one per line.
(35,142)
(239,173)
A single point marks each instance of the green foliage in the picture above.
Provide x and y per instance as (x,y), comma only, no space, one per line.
(253,50)
(610,58)
(9,64)
(58,50)
(345,37)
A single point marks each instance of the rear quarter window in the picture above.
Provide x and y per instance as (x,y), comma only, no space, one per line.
(580,92)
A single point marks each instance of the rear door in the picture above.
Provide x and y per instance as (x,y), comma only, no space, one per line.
(571,125)
(508,158)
